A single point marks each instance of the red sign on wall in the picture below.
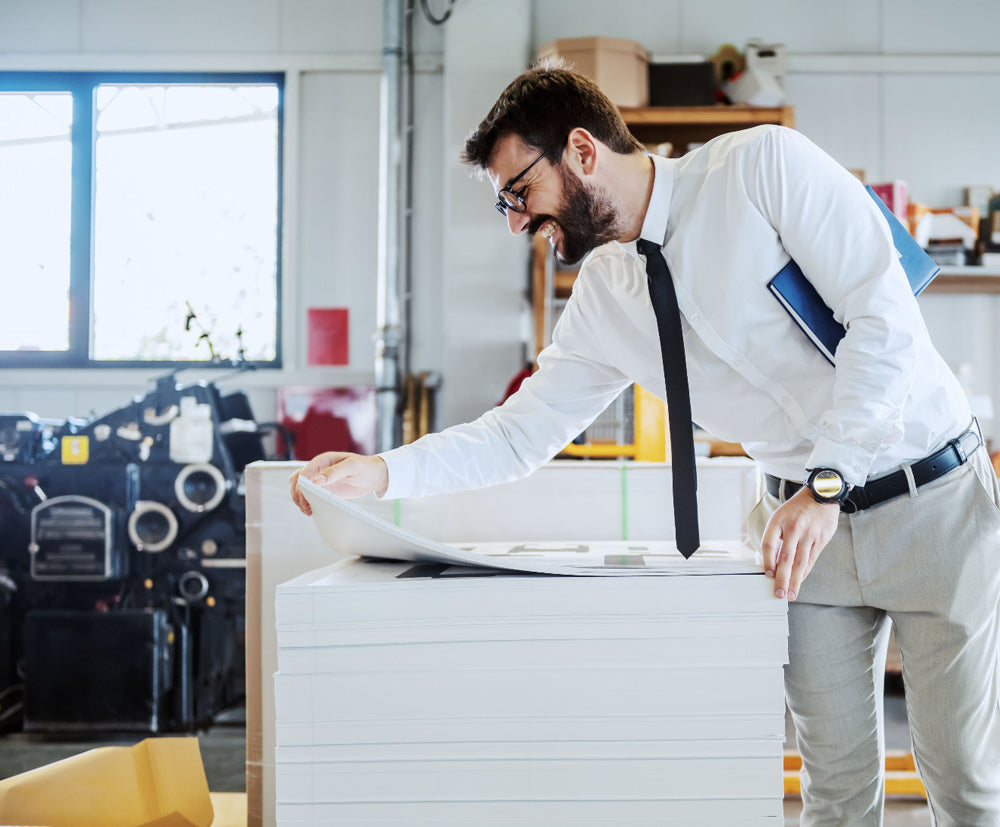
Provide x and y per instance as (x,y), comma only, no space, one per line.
(327,332)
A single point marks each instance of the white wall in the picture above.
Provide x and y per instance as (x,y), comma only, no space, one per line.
(484,267)
(331,52)
(900,88)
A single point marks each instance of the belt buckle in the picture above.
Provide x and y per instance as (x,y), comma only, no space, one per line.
(975,437)
(958,444)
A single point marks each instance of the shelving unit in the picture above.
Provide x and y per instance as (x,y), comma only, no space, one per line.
(697,124)
(966,280)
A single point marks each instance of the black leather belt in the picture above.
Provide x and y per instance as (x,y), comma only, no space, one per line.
(875,491)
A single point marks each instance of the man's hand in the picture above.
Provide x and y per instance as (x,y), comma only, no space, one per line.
(795,535)
(346,475)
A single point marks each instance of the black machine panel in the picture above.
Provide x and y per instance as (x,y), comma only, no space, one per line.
(71,539)
(78,677)
(128,528)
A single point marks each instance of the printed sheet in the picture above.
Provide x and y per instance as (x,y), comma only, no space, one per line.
(350,530)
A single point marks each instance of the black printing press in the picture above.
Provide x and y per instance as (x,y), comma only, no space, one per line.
(123,563)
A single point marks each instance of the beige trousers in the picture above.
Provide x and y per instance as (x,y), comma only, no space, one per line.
(930,562)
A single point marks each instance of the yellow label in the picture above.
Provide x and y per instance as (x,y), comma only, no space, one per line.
(75,450)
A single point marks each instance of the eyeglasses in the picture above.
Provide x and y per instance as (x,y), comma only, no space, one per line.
(507,199)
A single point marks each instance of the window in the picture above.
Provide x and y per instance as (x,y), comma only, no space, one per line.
(139,218)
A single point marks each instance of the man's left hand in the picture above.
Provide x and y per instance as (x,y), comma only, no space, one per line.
(795,535)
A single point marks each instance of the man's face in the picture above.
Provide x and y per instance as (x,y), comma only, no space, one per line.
(574,215)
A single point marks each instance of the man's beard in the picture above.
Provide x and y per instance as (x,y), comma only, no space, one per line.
(586,218)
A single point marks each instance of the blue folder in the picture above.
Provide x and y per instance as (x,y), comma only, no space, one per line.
(797,295)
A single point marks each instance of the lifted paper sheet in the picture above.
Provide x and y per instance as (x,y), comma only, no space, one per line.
(351,530)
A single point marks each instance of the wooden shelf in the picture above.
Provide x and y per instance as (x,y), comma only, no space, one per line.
(564,283)
(736,115)
(966,280)
(697,124)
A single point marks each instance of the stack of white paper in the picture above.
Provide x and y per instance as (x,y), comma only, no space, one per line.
(419,692)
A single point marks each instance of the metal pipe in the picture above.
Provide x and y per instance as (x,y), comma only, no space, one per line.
(409,129)
(389,336)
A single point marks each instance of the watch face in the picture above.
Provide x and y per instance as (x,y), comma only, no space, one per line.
(827,484)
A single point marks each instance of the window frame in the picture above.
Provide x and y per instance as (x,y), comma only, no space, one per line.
(83,138)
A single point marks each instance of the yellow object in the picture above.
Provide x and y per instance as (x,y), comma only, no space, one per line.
(75,450)
(230,809)
(159,782)
(900,774)
(419,409)
(649,428)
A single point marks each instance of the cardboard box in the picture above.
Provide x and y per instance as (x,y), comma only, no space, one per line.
(979,196)
(619,67)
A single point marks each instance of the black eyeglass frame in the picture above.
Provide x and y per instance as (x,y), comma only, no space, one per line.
(517,200)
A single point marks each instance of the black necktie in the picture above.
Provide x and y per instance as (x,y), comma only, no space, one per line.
(668,323)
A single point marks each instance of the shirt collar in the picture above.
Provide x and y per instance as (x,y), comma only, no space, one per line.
(654,225)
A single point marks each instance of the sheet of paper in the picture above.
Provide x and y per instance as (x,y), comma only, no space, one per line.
(350,530)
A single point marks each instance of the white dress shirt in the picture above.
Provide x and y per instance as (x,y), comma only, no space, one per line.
(729,216)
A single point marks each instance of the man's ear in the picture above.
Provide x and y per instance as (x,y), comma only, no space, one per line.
(581,148)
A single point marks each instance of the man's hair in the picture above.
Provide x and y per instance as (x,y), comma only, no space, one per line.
(542,106)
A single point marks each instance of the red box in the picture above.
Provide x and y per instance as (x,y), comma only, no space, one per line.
(893,195)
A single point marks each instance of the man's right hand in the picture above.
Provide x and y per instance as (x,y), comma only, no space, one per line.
(345,475)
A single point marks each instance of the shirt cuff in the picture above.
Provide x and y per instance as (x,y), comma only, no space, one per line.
(850,460)
(402,472)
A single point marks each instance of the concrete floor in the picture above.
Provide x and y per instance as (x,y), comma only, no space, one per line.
(223,751)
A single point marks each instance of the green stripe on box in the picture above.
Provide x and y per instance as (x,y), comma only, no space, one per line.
(624,502)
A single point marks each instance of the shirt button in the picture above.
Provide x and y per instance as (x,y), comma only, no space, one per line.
(738,363)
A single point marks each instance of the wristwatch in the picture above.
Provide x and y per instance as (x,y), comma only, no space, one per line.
(828,485)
